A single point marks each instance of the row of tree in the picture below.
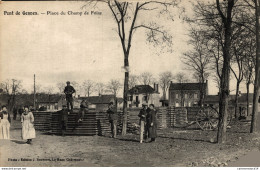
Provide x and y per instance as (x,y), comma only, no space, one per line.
(225,38)
(218,30)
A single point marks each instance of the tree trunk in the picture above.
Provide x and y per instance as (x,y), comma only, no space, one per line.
(201,101)
(126,64)
(236,100)
(225,76)
(247,98)
(255,114)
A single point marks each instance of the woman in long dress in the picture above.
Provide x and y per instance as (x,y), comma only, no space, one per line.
(27,120)
(151,123)
(5,123)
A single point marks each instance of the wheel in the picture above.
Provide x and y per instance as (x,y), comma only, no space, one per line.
(207,119)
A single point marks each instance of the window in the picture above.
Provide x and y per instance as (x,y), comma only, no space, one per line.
(176,95)
(195,95)
(145,98)
(130,98)
(184,104)
(186,96)
(176,104)
(189,104)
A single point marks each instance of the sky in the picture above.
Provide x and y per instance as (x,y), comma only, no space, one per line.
(58,48)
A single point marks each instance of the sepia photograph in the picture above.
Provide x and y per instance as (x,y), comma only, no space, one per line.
(130,83)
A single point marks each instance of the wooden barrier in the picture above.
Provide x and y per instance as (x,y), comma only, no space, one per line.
(97,123)
(42,120)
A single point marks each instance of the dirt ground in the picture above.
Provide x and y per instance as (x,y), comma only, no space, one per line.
(174,147)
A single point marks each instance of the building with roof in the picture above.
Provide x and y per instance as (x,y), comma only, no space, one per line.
(186,94)
(101,102)
(143,94)
(50,102)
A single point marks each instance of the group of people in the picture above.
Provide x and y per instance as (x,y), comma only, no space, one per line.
(27,120)
(147,116)
(148,122)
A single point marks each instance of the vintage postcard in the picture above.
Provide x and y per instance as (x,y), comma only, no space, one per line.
(107,83)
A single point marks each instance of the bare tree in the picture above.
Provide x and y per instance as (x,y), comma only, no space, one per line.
(126,16)
(248,69)
(181,78)
(114,86)
(226,18)
(11,88)
(133,79)
(61,87)
(88,87)
(241,50)
(49,90)
(100,88)
(146,78)
(164,81)
(198,59)
(255,114)
(38,89)
(76,86)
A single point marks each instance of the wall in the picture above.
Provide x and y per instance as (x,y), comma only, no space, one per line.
(190,97)
(153,99)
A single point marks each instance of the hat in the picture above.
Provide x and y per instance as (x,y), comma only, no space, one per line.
(145,104)
(68,82)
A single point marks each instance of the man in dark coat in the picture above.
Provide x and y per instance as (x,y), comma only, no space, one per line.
(69,90)
(151,122)
(142,115)
(112,117)
(63,119)
(83,109)
(14,113)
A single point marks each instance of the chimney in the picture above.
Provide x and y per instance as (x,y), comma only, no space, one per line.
(157,87)
(154,87)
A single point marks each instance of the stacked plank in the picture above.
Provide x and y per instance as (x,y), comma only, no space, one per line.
(191,113)
(162,117)
(170,117)
(87,127)
(103,125)
(42,120)
(179,117)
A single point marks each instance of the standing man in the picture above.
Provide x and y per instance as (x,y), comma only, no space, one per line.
(69,90)
(112,117)
(142,115)
(63,119)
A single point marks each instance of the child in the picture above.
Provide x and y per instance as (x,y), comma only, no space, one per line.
(5,123)
(27,120)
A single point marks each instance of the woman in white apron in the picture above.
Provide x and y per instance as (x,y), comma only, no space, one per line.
(27,120)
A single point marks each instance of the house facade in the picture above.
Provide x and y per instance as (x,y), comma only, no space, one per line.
(186,94)
(143,94)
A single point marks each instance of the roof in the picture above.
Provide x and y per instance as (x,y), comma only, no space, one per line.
(140,89)
(211,99)
(241,98)
(49,99)
(102,99)
(187,86)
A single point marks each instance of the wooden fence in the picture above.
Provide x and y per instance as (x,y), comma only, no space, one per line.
(97,123)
